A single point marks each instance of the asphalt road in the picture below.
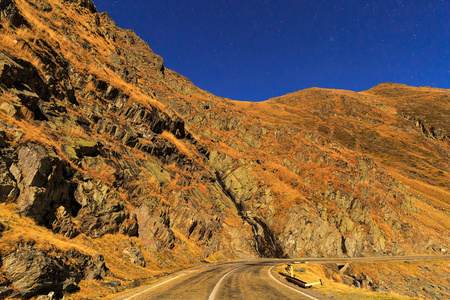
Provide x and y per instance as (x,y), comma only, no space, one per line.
(246,279)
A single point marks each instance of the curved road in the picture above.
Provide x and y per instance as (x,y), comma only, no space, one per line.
(246,279)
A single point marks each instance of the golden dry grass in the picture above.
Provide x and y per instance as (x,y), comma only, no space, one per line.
(182,147)
(333,287)
(23,229)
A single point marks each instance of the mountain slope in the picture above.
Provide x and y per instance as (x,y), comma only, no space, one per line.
(108,156)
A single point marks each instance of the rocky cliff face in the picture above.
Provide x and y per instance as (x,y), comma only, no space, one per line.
(100,141)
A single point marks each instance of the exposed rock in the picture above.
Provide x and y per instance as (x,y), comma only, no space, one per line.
(10,12)
(3,142)
(266,243)
(8,186)
(193,225)
(155,119)
(96,269)
(299,269)
(70,285)
(111,284)
(384,278)
(84,3)
(221,162)
(153,230)
(429,131)
(43,5)
(10,109)
(29,108)
(241,184)
(50,296)
(63,224)
(311,236)
(22,76)
(112,217)
(2,228)
(6,292)
(86,148)
(136,255)
(240,187)
(41,178)
(31,272)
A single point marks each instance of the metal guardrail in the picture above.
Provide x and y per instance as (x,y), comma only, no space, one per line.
(301,283)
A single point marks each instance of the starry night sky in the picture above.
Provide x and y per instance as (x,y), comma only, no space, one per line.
(257,49)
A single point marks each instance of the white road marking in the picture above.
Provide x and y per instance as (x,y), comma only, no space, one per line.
(306,295)
(216,288)
(153,286)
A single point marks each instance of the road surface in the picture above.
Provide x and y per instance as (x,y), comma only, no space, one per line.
(246,279)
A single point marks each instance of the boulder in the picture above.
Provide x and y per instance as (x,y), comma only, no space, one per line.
(86,148)
(31,272)
(29,104)
(299,270)
(10,109)
(136,256)
(130,226)
(96,269)
(111,284)
(70,285)
(50,296)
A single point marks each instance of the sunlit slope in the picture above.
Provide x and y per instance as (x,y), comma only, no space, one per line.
(334,149)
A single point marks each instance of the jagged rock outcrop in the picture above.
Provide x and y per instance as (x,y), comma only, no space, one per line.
(194,226)
(154,230)
(2,228)
(63,223)
(136,256)
(42,180)
(22,78)
(89,4)
(10,12)
(363,276)
(95,268)
(429,131)
(8,186)
(98,219)
(32,271)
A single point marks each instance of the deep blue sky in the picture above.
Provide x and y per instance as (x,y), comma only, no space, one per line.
(257,49)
